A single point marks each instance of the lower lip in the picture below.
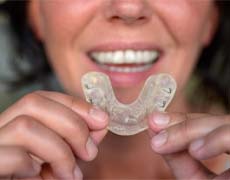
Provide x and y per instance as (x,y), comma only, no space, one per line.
(123,79)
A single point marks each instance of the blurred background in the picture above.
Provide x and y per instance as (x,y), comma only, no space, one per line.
(7,52)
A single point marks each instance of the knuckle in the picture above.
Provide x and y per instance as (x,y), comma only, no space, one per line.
(23,123)
(30,100)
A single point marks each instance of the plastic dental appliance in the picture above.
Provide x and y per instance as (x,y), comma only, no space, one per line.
(128,119)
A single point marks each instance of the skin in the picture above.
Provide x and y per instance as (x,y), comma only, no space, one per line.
(69,130)
(68,44)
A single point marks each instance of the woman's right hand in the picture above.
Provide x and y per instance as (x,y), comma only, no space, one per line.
(49,127)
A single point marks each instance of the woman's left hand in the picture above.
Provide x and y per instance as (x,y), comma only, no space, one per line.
(186,139)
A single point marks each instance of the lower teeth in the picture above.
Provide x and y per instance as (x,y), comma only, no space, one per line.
(126,69)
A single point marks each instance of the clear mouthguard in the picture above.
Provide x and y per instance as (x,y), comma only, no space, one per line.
(129,119)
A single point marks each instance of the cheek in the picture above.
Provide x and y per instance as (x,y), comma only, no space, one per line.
(63,20)
(184,65)
(180,63)
(184,19)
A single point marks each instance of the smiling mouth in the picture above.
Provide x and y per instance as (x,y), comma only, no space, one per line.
(125,61)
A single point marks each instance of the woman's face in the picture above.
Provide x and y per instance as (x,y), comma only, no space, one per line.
(127,39)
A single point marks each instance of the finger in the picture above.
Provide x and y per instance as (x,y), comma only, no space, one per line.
(33,178)
(47,173)
(159,120)
(96,118)
(97,136)
(40,141)
(177,137)
(184,166)
(15,162)
(215,143)
(60,119)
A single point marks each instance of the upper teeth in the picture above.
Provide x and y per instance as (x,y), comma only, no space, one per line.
(125,57)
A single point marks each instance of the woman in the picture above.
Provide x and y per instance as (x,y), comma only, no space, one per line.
(53,135)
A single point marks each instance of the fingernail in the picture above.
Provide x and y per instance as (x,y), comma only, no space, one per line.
(77,173)
(160,139)
(91,148)
(161,119)
(197,144)
(97,114)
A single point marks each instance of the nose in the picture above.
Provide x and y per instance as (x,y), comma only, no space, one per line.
(128,11)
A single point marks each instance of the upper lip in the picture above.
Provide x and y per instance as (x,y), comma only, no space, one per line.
(114,46)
